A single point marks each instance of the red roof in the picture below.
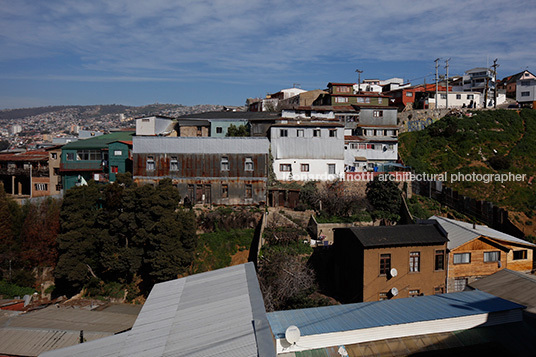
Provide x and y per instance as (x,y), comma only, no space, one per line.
(25,156)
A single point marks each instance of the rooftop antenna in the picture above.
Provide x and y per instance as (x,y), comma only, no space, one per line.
(292,335)
(359,79)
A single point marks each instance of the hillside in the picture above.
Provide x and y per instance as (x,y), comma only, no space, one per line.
(488,142)
(91,111)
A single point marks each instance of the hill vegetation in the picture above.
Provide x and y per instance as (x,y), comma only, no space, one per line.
(488,142)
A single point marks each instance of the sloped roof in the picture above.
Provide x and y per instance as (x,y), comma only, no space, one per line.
(510,285)
(25,156)
(200,145)
(460,232)
(399,235)
(366,315)
(218,313)
(101,141)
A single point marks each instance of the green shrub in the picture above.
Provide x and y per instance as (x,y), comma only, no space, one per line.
(9,290)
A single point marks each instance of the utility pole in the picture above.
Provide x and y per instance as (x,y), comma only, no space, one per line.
(447,78)
(436,84)
(359,79)
(495,65)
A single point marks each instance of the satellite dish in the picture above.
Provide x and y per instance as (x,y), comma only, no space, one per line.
(292,334)
(393,272)
(394,291)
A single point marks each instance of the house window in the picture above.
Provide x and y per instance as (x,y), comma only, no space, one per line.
(353,146)
(300,133)
(331,169)
(409,94)
(174,164)
(118,152)
(382,296)
(248,164)
(360,100)
(462,258)
(341,99)
(304,167)
(333,133)
(385,263)
(249,191)
(199,131)
(414,293)
(114,169)
(443,96)
(470,96)
(439,260)
(520,254)
(525,94)
(224,163)
(224,191)
(414,262)
(149,165)
(490,257)
(525,83)
(342,89)
(362,146)
(54,155)
(439,290)
(377,113)
(70,156)
(285,167)
(283,133)
(41,186)
(380,100)
(219,130)
(460,284)
(316,133)
(458,96)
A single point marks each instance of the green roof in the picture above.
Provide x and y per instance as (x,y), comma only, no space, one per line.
(100,142)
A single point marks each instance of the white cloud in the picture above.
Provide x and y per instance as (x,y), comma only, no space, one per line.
(242,37)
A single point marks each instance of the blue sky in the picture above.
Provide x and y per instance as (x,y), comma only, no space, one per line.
(63,52)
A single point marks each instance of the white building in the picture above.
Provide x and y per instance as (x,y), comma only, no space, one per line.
(154,125)
(526,91)
(456,100)
(307,150)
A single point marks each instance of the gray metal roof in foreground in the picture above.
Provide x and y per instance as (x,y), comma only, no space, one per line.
(365,315)
(218,313)
(199,145)
(460,232)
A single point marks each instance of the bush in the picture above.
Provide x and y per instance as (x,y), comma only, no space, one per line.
(9,290)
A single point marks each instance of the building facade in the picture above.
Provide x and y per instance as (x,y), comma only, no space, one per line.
(381,263)
(221,171)
(27,174)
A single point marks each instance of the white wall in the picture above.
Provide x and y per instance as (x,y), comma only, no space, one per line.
(457,103)
(318,170)
(372,155)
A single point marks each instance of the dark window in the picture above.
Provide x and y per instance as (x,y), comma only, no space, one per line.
(219,129)
(283,133)
(54,155)
(331,169)
(225,164)
(70,156)
(439,260)
(458,96)
(462,258)
(414,262)
(248,164)
(300,133)
(333,133)
(150,163)
(249,191)
(174,164)
(224,191)
(285,167)
(385,263)
(439,290)
(382,296)
(520,254)
(525,94)
(492,257)
(377,113)
(305,167)
(316,133)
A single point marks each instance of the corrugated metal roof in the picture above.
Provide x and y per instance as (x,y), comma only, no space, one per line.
(389,236)
(23,342)
(460,233)
(66,318)
(100,141)
(510,285)
(366,315)
(200,145)
(218,313)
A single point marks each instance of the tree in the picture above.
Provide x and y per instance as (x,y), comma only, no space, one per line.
(78,238)
(241,130)
(385,197)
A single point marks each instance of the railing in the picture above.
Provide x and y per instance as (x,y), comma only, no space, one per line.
(81,165)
